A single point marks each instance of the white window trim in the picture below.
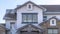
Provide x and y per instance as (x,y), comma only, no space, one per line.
(54,22)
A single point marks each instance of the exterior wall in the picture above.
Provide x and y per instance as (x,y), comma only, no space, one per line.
(46,25)
(8,25)
(24,10)
(50,16)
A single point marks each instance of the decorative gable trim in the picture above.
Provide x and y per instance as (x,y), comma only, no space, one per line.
(29,26)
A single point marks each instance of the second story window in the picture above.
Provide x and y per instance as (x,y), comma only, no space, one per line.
(29,18)
(44,18)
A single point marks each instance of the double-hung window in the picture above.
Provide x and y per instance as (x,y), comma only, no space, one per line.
(29,18)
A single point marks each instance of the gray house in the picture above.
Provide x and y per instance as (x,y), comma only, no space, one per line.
(31,18)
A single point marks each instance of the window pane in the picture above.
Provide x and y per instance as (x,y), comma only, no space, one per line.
(55,31)
(44,18)
(29,18)
(49,33)
(24,18)
(52,31)
(52,21)
(49,30)
(34,18)
(29,6)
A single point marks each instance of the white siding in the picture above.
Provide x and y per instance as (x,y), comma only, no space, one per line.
(24,10)
(8,25)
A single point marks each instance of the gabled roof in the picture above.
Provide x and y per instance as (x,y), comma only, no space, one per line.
(31,3)
(49,20)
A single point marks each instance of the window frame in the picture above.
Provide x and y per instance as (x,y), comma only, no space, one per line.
(51,24)
(44,18)
(32,18)
(52,30)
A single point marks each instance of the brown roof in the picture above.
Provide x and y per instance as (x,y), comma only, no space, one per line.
(52,8)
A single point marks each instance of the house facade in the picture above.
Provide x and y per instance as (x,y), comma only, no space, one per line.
(31,18)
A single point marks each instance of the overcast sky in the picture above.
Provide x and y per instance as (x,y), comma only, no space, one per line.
(11,4)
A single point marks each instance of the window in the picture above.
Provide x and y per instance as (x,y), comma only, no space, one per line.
(12,24)
(29,18)
(29,6)
(52,31)
(53,22)
(44,18)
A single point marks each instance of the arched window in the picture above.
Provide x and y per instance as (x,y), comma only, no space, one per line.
(53,22)
(29,6)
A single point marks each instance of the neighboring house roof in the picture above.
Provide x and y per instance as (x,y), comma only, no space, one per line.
(49,20)
(10,16)
(51,13)
(52,8)
(31,26)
